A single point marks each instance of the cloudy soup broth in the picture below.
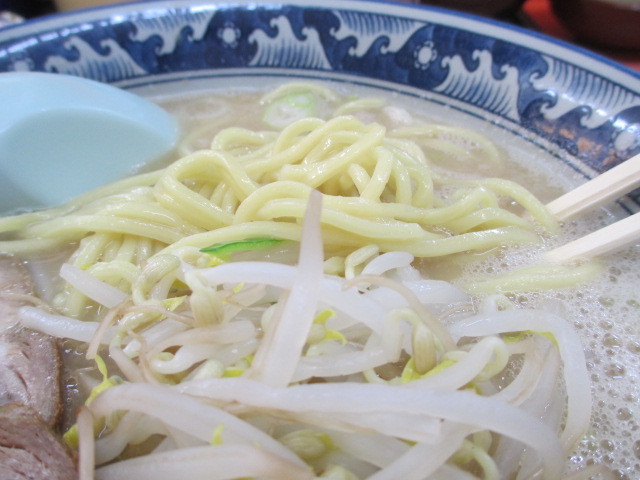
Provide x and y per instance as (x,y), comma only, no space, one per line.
(605,311)
(603,308)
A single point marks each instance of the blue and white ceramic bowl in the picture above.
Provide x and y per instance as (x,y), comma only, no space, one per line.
(574,104)
(560,102)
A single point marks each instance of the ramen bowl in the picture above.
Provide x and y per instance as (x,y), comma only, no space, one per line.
(569,112)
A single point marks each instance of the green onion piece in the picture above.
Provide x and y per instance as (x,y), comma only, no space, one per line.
(224,250)
(286,110)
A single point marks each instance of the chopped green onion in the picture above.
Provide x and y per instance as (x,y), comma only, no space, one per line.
(224,250)
(290,108)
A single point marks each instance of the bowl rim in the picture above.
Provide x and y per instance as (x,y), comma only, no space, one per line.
(562,49)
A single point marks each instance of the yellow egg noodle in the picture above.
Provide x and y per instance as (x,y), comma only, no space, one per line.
(420,367)
(381,189)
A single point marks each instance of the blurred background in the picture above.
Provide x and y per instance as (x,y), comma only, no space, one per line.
(610,27)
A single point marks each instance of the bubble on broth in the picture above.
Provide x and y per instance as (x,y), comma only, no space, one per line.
(606,314)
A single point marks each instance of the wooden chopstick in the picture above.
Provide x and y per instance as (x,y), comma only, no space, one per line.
(604,188)
(598,191)
(605,240)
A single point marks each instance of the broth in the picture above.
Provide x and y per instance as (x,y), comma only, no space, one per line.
(605,311)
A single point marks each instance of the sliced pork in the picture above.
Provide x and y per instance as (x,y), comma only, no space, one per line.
(30,372)
(29,449)
(15,285)
(29,361)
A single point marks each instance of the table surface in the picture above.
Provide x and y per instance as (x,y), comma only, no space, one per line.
(539,13)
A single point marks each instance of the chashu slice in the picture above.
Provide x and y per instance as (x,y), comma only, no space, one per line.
(30,372)
(29,449)
(15,286)
(30,361)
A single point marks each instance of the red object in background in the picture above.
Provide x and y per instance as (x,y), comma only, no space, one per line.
(541,15)
(493,8)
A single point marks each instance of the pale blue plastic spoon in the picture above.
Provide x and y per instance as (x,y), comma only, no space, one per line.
(62,135)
